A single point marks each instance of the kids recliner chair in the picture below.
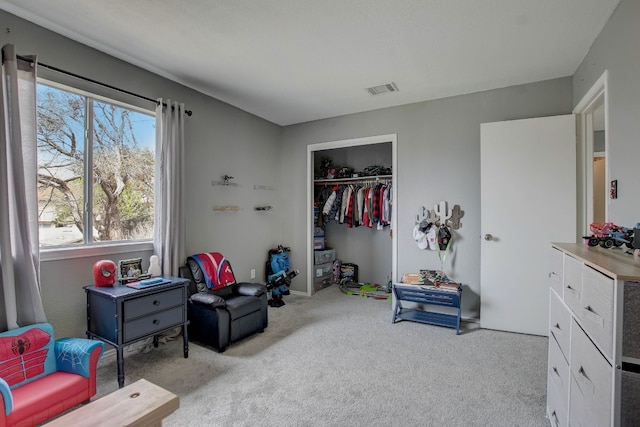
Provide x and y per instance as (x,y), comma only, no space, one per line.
(222,311)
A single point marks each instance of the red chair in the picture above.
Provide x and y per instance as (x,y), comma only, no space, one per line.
(41,377)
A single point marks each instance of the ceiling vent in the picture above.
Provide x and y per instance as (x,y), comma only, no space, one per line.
(379,90)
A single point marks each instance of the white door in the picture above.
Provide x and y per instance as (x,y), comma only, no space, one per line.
(528,184)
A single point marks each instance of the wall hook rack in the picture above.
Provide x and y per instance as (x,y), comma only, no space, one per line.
(441,214)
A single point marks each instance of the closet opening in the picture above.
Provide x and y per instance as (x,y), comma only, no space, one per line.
(372,247)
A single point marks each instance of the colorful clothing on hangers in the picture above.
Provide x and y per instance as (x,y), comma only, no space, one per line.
(355,205)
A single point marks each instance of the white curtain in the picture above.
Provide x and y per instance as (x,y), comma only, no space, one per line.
(21,302)
(169,233)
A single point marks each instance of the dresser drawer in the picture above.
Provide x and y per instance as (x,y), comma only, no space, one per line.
(596,313)
(151,303)
(556,269)
(572,283)
(153,323)
(559,324)
(558,374)
(591,377)
(579,410)
(556,410)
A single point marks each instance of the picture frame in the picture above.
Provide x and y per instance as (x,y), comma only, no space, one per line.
(131,270)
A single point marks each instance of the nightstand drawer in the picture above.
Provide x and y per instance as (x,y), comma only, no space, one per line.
(591,377)
(153,323)
(559,324)
(596,313)
(152,303)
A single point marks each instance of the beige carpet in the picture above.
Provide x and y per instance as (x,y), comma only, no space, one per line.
(337,360)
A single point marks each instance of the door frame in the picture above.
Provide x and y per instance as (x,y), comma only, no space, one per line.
(369,140)
(599,92)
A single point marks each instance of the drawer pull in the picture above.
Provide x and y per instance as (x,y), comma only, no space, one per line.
(593,316)
(574,291)
(156,302)
(556,421)
(583,378)
(156,322)
(557,376)
(556,327)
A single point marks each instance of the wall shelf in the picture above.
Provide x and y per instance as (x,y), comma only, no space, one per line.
(227,208)
(263,187)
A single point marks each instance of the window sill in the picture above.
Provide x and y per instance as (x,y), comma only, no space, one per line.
(56,254)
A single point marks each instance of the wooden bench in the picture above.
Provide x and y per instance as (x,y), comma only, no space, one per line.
(136,405)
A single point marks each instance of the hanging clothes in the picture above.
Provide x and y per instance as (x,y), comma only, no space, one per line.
(365,204)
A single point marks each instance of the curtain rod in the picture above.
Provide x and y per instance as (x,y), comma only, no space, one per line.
(69,73)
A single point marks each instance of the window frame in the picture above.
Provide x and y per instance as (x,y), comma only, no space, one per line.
(94,92)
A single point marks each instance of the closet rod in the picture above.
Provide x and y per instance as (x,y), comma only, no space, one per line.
(362,180)
(77,76)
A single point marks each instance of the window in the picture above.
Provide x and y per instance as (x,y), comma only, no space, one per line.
(96,162)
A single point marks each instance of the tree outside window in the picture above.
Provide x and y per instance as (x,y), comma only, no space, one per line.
(96,164)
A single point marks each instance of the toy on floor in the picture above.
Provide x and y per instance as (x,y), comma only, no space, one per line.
(336,269)
(279,275)
(365,290)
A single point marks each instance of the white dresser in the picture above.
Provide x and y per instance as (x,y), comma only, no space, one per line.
(594,337)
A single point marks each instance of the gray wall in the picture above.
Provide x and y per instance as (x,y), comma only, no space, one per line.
(220,139)
(616,50)
(438,159)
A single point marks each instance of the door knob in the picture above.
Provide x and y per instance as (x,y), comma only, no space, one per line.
(488,237)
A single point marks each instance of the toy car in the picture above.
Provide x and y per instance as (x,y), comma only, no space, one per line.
(608,235)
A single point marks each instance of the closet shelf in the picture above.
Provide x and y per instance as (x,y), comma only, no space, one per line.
(360,178)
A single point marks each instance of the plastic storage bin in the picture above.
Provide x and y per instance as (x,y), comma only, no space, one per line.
(322,282)
(323,269)
(324,256)
(318,243)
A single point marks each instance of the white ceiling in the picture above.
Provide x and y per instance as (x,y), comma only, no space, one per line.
(292,61)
